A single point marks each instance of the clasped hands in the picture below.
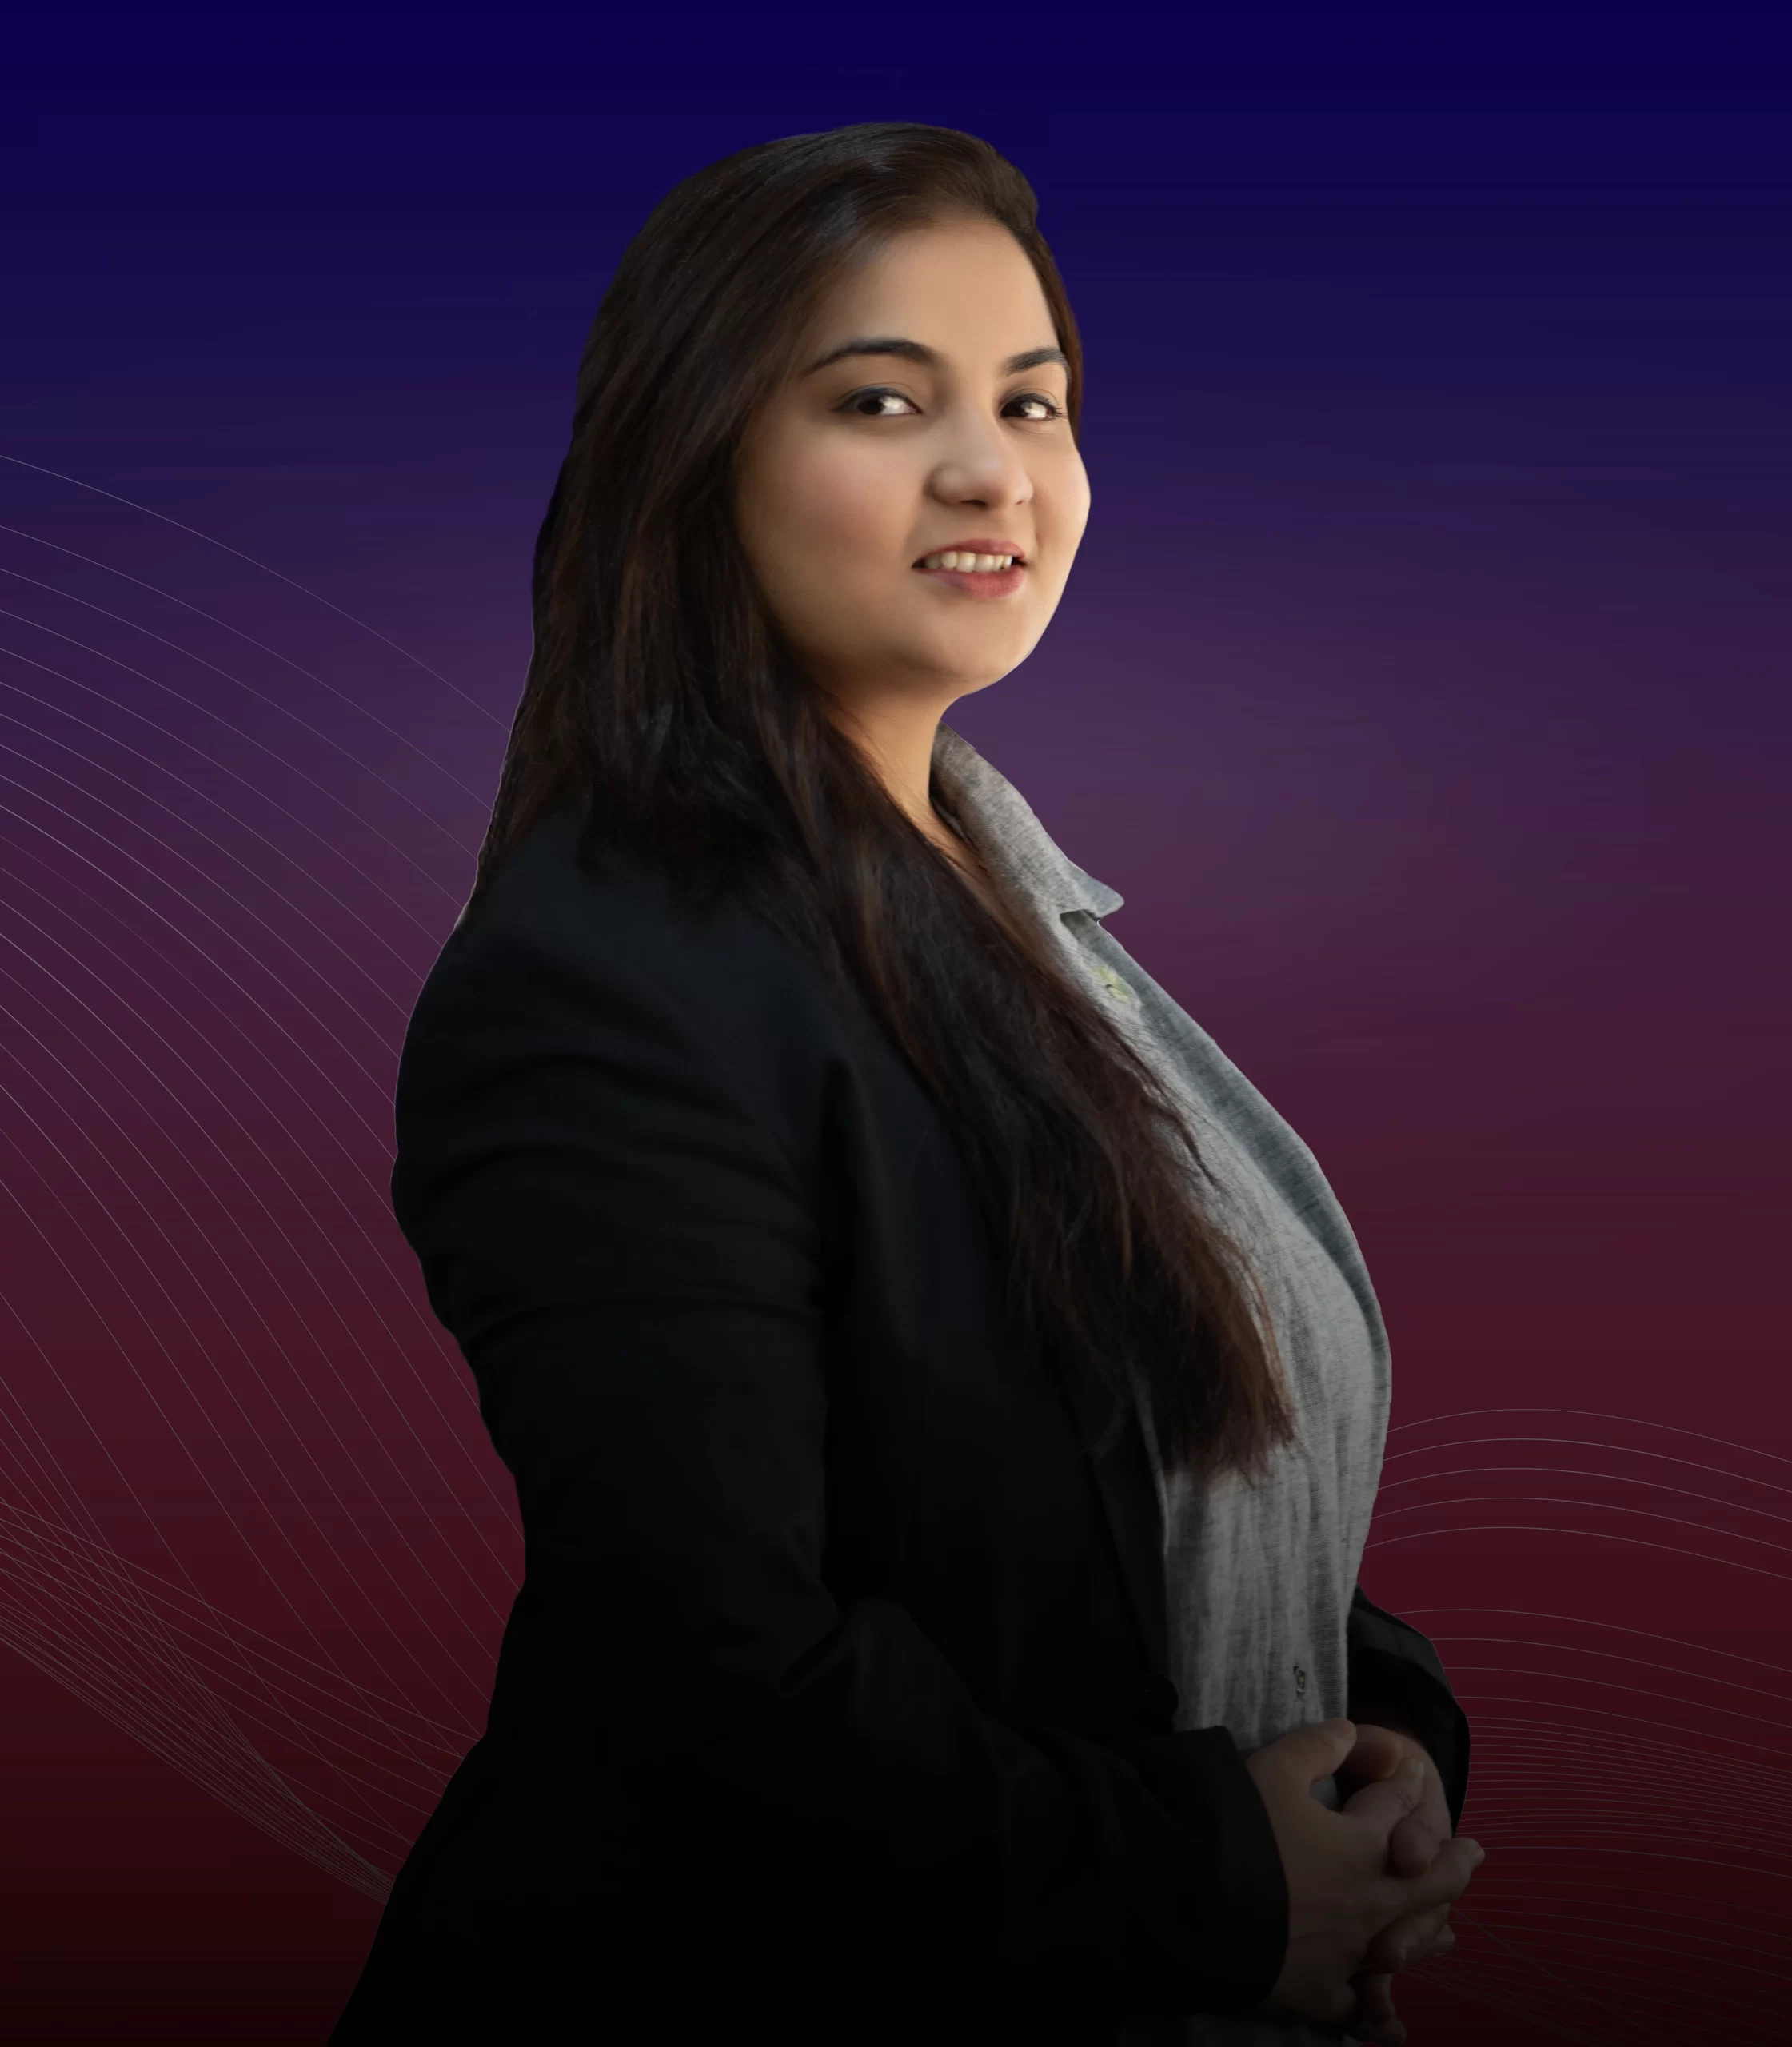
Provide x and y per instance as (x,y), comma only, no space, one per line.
(1367,1898)
(1380,1752)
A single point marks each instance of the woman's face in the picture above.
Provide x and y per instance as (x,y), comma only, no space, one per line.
(927,414)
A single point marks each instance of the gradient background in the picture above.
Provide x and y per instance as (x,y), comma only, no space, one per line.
(1422,686)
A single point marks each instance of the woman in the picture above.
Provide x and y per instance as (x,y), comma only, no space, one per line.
(872,1280)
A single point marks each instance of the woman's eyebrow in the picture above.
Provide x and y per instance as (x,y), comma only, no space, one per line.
(919,351)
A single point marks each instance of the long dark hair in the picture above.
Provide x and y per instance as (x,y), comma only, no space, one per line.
(663,698)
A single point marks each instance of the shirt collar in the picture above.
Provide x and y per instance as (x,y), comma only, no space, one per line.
(1014,836)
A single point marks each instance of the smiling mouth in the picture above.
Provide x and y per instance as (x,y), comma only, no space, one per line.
(969,564)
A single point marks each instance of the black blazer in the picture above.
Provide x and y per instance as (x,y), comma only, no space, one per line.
(832,1704)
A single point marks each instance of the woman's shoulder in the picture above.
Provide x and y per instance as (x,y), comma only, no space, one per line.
(599,908)
(601,935)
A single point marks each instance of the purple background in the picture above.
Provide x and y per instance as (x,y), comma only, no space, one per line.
(1422,685)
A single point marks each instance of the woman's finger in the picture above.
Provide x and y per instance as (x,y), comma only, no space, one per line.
(1412,1845)
(1375,2019)
(1392,1798)
(1416,1938)
(1451,1868)
(1375,1754)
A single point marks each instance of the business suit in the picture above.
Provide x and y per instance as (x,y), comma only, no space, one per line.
(833,1703)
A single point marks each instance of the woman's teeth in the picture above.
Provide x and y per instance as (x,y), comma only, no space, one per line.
(979,565)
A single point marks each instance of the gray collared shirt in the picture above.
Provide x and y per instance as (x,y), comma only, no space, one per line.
(1259,1580)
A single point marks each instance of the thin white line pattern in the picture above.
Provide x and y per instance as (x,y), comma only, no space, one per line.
(1631,1776)
(248,1511)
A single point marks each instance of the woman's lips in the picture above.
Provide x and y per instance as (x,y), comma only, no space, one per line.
(990,583)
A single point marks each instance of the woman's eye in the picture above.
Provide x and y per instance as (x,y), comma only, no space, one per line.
(1037,397)
(1049,408)
(859,397)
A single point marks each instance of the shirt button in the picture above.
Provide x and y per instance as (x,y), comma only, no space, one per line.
(1112,981)
(1160,1697)
(1300,1678)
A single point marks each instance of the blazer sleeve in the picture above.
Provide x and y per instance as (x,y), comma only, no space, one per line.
(1395,1669)
(625,1254)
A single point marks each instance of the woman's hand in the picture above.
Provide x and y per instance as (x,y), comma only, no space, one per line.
(1343,1891)
(1379,1753)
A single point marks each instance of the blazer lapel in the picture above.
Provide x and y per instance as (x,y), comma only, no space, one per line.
(1033,863)
(1128,1490)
